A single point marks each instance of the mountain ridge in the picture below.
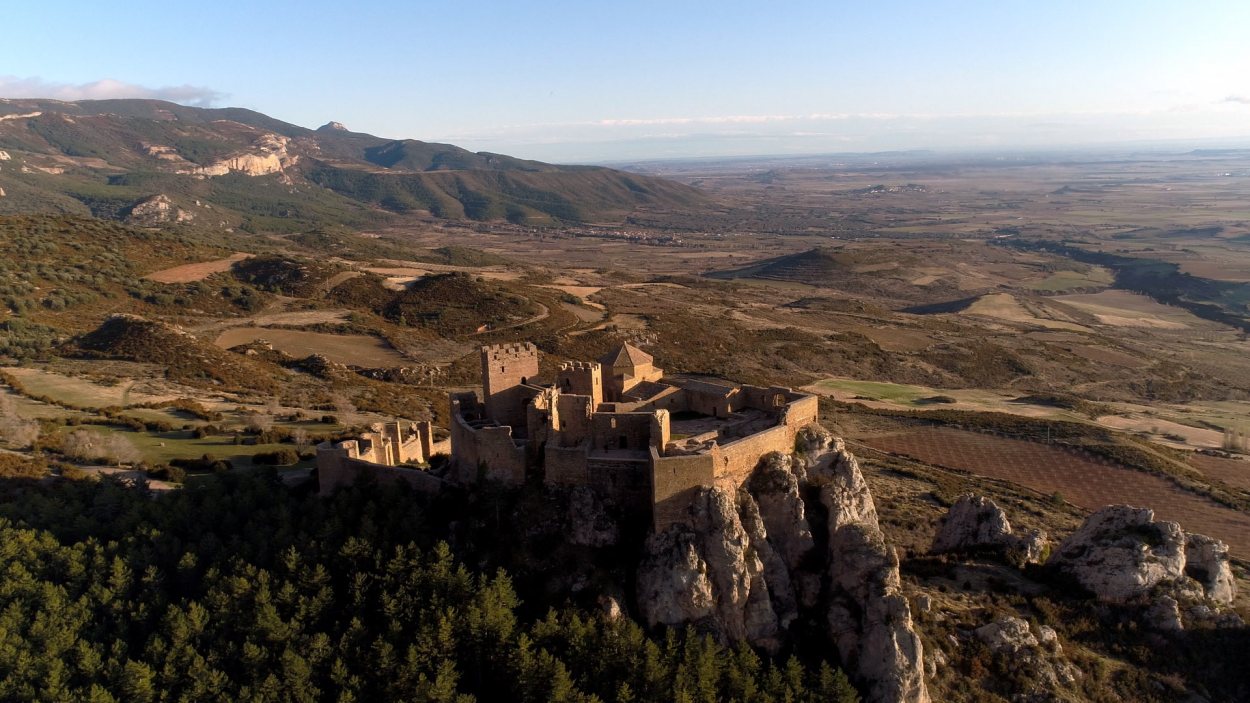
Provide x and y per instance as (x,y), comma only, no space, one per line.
(73,156)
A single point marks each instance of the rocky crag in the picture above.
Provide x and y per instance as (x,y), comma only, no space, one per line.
(1122,554)
(798,541)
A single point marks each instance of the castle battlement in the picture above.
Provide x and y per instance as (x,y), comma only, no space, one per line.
(506,352)
(615,426)
(580,366)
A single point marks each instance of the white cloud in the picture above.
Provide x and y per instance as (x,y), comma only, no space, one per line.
(1239,99)
(106,89)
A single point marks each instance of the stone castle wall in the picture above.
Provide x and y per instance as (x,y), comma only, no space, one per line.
(627,431)
(337,468)
(674,482)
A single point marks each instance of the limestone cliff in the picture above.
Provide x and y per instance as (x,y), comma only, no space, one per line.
(268,155)
(747,566)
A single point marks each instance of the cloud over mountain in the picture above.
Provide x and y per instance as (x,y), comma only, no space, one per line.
(106,89)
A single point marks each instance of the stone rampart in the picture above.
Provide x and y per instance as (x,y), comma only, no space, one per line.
(674,481)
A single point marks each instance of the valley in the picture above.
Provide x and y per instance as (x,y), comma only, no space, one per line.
(1060,332)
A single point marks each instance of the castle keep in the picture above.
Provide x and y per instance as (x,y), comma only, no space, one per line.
(614,425)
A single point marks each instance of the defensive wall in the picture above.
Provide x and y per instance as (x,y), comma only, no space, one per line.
(606,425)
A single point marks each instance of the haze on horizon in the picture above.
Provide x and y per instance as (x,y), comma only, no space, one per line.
(568,81)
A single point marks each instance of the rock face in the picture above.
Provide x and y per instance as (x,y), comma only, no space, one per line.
(589,522)
(158,209)
(706,572)
(868,615)
(976,522)
(745,565)
(269,155)
(1121,553)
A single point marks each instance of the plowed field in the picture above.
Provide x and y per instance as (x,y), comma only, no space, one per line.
(1080,478)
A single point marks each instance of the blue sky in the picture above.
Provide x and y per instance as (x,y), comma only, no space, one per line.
(589,81)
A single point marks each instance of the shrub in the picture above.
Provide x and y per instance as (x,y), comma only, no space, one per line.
(281,457)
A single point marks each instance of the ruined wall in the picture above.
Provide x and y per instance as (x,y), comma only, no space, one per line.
(609,430)
(339,465)
(625,480)
(488,453)
(710,404)
(736,460)
(565,466)
(505,368)
(575,424)
(801,412)
(674,481)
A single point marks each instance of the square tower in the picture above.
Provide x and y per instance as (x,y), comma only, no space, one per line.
(505,369)
(582,378)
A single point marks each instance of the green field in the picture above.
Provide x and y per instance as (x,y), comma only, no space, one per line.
(161,447)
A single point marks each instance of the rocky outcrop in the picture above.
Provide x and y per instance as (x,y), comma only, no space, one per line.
(774,492)
(744,566)
(977,523)
(1039,656)
(869,618)
(1206,561)
(269,155)
(4,156)
(1121,553)
(156,210)
(706,572)
(590,524)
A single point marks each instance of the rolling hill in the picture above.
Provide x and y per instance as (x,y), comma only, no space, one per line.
(232,167)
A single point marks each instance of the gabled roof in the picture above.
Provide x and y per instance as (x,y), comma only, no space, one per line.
(626,355)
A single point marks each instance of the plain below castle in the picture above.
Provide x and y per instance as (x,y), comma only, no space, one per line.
(617,425)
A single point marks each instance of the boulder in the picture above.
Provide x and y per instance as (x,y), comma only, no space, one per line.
(1206,561)
(1120,552)
(972,522)
(977,523)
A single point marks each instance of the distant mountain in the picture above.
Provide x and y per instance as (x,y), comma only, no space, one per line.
(233,167)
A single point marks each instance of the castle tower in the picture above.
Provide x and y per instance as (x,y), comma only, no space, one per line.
(581,378)
(625,367)
(505,368)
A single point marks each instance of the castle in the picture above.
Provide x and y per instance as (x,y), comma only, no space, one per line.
(614,425)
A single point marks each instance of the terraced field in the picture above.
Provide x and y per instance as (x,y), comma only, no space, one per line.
(1081,479)
(1234,472)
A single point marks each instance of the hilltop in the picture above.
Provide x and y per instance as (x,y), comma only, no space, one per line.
(154,162)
